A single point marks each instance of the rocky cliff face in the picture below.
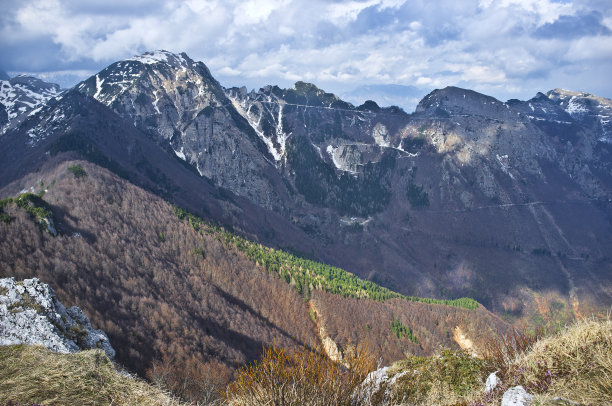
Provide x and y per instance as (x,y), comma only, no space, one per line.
(31,314)
(590,111)
(476,177)
(326,149)
(332,153)
(180,104)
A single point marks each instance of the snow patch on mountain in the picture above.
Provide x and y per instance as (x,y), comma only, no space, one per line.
(180,154)
(586,109)
(254,121)
(48,124)
(342,160)
(150,57)
(503,163)
(574,107)
(23,94)
(161,56)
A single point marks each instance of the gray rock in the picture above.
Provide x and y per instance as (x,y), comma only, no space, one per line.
(492,382)
(30,313)
(375,379)
(516,396)
(48,222)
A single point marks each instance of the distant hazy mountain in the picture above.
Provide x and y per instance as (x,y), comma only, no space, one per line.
(406,97)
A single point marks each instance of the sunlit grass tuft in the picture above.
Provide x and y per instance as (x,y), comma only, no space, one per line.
(575,364)
(299,377)
(30,374)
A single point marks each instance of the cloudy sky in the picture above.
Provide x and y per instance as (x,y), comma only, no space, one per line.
(505,48)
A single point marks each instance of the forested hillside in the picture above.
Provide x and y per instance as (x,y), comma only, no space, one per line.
(173,297)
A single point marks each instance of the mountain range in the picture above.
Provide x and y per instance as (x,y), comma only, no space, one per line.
(508,203)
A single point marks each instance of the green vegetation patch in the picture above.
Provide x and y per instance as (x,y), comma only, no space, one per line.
(32,203)
(451,377)
(400,330)
(77,171)
(4,217)
(306,275)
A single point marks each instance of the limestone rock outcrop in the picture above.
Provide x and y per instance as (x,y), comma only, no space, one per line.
(30,313)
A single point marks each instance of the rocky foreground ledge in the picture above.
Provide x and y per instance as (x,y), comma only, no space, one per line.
(30,313)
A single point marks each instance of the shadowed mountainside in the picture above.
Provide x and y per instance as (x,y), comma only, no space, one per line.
(166,293)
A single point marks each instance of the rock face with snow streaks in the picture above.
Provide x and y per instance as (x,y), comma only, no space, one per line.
(31,314)
(21,96)
(178,102)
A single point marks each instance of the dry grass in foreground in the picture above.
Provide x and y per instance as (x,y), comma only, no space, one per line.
(30,374)
(299,377)
(572,366)
(575,364)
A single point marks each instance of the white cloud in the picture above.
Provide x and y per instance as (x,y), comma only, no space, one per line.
(344,12)
(482,44)
(256,11)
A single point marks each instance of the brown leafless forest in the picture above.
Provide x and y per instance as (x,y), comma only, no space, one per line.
(178,305)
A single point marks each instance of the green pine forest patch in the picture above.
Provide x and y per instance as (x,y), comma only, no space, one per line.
(32,203)
(306,275)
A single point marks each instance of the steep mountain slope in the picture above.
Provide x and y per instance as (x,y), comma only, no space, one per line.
(490,211)
(21,95)
(508,203)
(82,127)
(171,294)
(177,101)
(588,110)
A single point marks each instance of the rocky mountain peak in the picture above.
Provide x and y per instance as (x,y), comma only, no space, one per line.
(559,93)
(311,95)
(541,109)
(21,96)
(589,110)
(35,84)
(451,101)
(163,57)
(152,72)
(177,101)
(572,102)
(369,105)
(159,91)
